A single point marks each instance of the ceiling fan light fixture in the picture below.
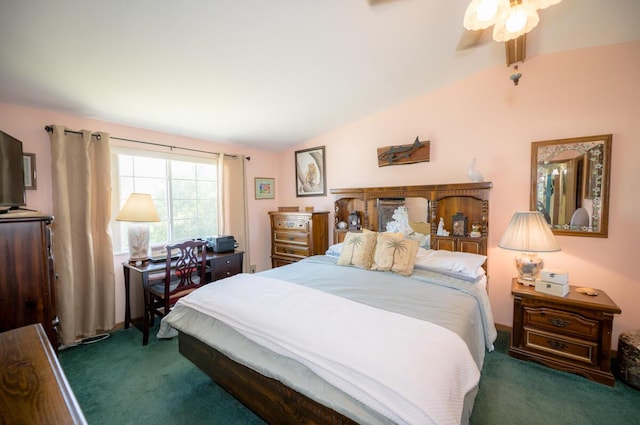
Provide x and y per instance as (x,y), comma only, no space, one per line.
(481,14)
(517,20)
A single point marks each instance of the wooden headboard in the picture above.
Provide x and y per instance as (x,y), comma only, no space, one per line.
(471,200)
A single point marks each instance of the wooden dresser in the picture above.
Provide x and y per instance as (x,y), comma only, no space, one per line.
(571,333)
(297,235)
(33,387)
(27,292)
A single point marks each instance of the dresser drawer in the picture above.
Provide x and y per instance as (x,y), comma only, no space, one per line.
(560,346)
(279,262)
(291,250)
(226,266)
(564,322)
(291,223)
(291,237)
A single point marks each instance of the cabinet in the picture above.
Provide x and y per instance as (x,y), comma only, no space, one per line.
(34,388)
(460,243)
(571,333)
(226,264)
(27,292)
(297,235)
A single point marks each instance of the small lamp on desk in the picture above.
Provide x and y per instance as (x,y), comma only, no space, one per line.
(529,233)
(139,211)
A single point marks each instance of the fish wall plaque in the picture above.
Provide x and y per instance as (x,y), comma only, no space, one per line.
(404,154)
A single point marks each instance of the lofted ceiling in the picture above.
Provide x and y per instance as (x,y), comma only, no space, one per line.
(260,73)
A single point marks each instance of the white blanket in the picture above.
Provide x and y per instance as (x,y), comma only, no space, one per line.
(409,370)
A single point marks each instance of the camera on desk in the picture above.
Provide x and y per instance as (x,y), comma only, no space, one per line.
(221,243)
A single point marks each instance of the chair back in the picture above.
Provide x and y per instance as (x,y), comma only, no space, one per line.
(580,218)
(188,271)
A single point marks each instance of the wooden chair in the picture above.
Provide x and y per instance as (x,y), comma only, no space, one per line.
(182,276)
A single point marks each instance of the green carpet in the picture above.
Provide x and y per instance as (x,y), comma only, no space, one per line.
(118,381)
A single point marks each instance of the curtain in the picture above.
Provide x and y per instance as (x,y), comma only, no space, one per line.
(83,250)
(232,203)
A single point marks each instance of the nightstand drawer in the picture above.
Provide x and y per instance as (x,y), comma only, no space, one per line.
(291,237)
(560,346)
(564,322)
(291,250)
(290,223)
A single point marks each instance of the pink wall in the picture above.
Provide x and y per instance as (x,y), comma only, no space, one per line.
(578,93)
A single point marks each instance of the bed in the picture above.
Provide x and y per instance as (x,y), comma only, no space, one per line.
(328,340)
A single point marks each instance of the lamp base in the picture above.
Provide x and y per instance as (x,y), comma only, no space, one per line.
(529,267)
(138,243)
(139,261)
(526,282)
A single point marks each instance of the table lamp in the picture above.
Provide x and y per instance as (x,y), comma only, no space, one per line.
(139,211)
(529,233)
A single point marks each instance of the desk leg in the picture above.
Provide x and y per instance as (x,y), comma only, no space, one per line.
(127,298)
(148,316)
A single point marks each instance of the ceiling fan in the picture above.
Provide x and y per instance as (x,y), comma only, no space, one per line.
(511,21)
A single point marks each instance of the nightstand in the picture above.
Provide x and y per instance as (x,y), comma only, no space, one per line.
(570,333)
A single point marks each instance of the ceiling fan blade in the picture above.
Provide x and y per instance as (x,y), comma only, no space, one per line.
(470,39)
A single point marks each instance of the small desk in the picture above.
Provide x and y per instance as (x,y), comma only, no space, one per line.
(220,265)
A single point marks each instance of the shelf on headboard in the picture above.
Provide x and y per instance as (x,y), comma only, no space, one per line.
(444,200)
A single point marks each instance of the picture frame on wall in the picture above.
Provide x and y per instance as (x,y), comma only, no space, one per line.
(29,169)
(265,188)
(311,179)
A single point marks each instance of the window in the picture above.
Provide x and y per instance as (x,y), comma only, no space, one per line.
(183,188)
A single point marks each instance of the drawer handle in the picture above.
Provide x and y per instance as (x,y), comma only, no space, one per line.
(291,237)
(556,345)
(228,262)
(559,322)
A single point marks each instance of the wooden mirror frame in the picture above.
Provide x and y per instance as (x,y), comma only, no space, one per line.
(591,185)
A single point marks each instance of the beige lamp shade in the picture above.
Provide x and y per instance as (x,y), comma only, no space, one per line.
(139,208)
(528,232)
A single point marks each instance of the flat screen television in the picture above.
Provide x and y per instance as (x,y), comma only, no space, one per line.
(12,194)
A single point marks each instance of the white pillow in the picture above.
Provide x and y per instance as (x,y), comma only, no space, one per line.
(334,250)
(462,265)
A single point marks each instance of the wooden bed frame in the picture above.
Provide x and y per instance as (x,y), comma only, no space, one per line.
(273,401)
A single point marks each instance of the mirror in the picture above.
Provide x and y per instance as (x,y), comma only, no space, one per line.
(570,184)
(417,212)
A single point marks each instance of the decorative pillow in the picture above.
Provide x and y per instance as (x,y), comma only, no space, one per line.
(423,240)
(420,227)
(357,249)
(465,265)
(394,253)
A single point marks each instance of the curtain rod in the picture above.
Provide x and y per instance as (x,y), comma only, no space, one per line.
(49,129)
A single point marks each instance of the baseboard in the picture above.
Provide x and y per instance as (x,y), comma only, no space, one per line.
(503,328)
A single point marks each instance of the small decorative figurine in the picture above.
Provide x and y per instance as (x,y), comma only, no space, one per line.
(441,230)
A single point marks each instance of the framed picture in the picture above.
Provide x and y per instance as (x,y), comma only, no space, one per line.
(29,168)
(265,188)
(311,179)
